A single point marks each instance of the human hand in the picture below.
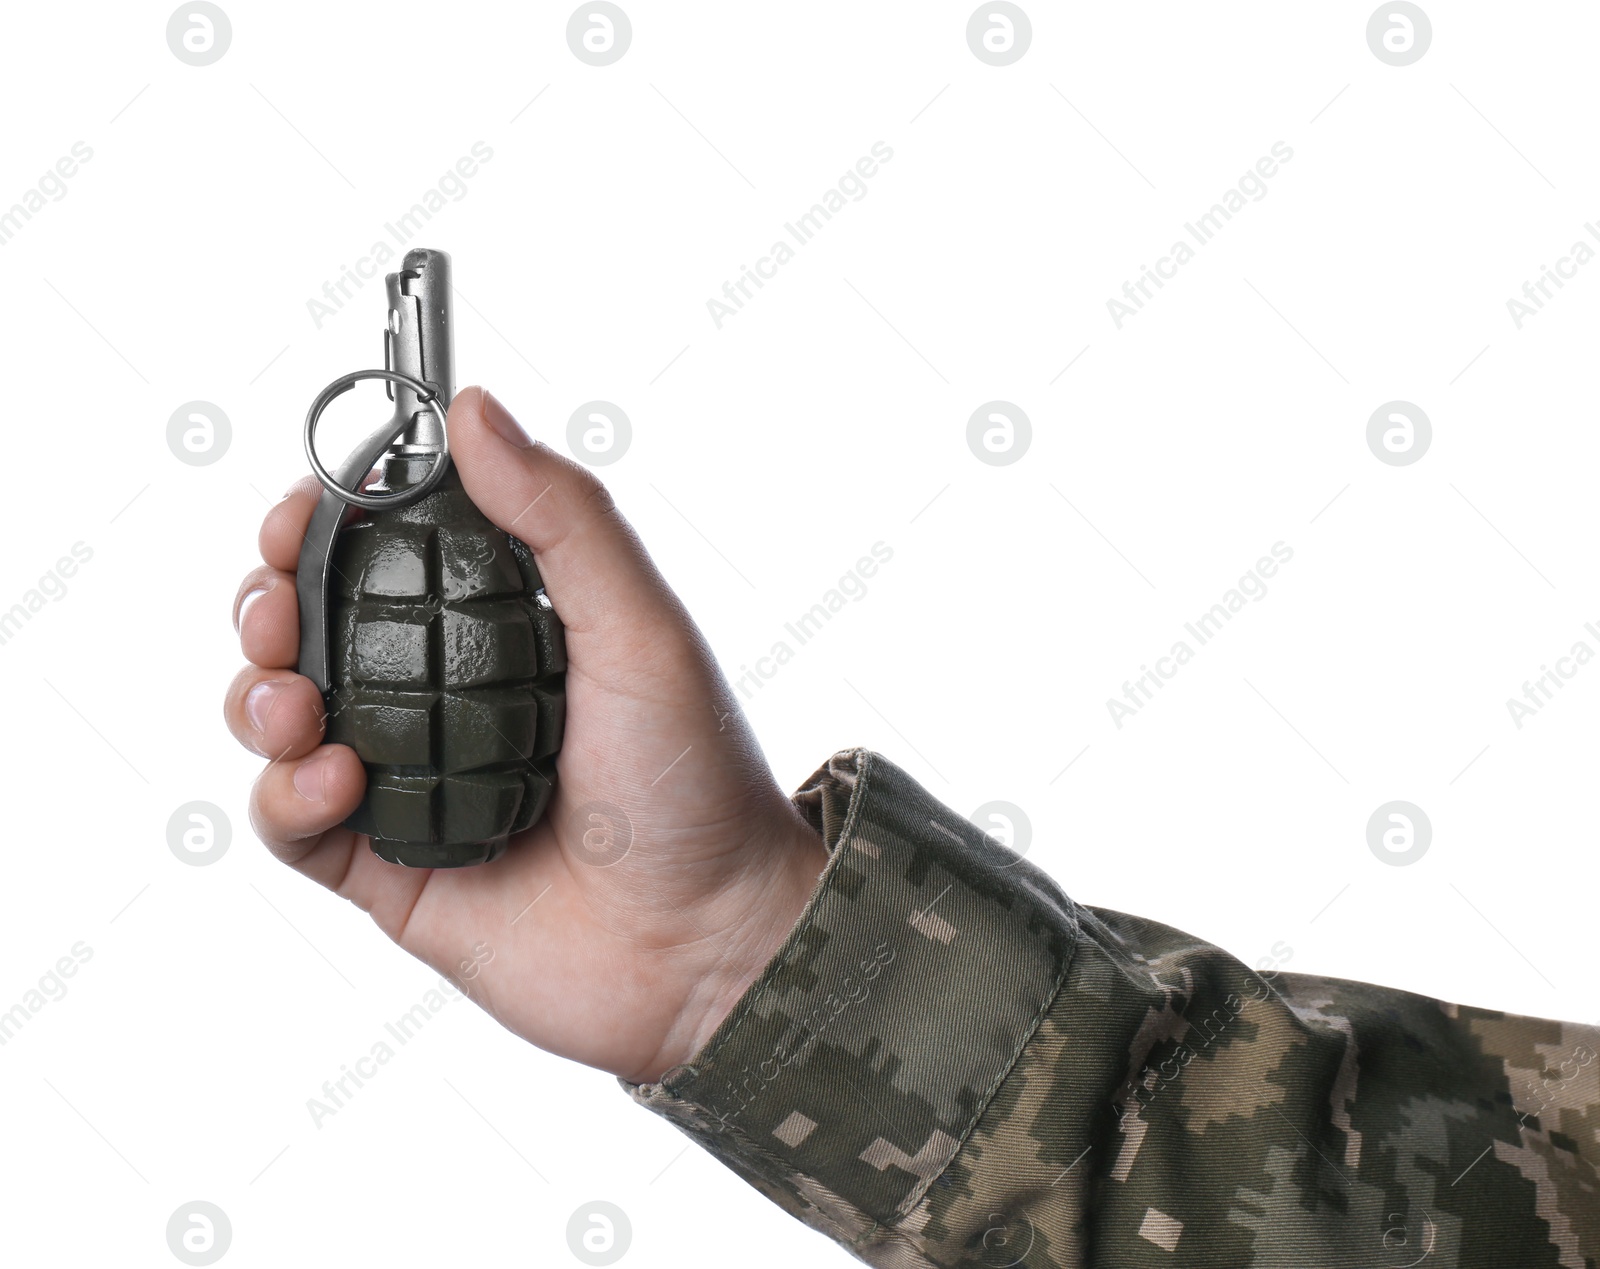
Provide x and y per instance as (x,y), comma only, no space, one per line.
(627,965)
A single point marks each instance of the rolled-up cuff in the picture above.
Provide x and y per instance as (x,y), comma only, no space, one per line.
(853,1068)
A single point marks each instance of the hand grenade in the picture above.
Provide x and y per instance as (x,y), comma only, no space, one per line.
(439,656)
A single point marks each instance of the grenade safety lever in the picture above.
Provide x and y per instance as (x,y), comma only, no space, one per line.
(427,629)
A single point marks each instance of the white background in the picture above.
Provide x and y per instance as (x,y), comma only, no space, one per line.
(767,457)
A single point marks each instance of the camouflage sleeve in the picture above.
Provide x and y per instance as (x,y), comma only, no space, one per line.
(951,1063)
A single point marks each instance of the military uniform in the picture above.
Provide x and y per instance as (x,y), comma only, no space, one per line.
(949,1062)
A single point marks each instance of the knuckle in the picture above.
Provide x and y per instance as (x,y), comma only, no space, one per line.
(595,498)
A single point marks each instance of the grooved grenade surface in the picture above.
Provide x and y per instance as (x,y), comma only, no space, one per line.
(448,672)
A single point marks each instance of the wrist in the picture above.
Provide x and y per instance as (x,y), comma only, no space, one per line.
(765,902)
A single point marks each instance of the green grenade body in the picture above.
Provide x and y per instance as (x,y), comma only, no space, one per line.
(448,676)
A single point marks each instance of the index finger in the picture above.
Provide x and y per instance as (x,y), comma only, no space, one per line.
(284,529)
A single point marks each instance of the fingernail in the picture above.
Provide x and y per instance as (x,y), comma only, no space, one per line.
(244,606)
(258,705)
(499,418)
(310,777)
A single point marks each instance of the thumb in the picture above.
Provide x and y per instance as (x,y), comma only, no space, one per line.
(596,570)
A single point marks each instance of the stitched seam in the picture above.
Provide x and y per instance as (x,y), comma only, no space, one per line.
(919,1191)
(823,890)
(736,1135)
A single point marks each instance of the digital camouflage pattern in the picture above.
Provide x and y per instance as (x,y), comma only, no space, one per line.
(951,1063)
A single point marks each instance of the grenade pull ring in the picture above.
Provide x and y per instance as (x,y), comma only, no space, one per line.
(376,444)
